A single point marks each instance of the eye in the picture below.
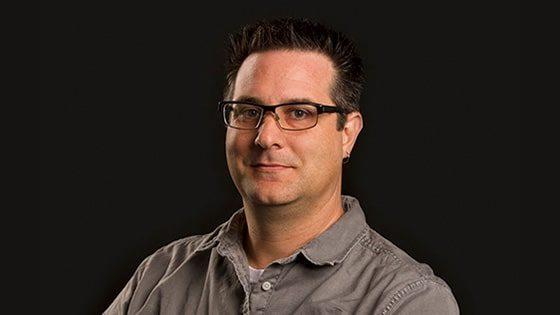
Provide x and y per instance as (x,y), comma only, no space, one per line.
(299,113)
(250,113)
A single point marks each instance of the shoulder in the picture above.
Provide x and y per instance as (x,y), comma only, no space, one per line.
(408,285)
(172,255)
(155,269)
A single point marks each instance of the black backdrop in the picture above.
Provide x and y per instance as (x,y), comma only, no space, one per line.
(132,150)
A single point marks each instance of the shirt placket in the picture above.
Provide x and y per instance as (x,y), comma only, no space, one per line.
(262,290)
(230,251)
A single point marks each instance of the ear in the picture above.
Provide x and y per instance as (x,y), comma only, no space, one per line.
(352,128)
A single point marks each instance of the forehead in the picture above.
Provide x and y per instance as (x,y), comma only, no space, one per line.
(280,75)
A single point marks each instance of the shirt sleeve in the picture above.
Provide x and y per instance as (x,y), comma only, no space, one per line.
(422,298)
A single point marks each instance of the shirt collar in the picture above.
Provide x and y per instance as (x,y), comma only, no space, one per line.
(333,245)
(330,247)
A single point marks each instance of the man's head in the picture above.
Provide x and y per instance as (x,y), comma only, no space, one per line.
(284,61)
(304,35)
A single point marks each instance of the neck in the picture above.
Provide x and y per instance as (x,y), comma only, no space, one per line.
(277,232)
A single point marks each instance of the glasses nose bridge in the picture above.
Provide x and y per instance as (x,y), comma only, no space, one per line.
(275,116)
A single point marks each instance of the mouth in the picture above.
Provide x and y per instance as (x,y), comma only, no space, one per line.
(270,167)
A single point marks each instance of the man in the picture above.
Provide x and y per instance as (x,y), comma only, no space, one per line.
(297,246)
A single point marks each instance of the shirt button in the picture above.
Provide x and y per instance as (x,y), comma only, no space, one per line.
(266,286)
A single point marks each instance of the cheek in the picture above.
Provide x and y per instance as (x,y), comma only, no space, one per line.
(233,147)
(236,140)
(230,141)
(238,146)
(320,154)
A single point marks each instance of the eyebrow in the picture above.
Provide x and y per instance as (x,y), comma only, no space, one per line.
(256,100)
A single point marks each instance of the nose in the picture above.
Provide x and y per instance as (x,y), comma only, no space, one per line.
(269,133)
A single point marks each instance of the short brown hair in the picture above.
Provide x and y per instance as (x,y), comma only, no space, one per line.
(306,35)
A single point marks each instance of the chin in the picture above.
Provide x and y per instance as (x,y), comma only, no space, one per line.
(270,195)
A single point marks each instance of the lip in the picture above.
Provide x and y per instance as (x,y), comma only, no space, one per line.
(270,167)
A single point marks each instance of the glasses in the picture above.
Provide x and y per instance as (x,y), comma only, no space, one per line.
(290,116)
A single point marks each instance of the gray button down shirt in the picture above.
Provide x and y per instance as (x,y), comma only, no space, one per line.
(348,269)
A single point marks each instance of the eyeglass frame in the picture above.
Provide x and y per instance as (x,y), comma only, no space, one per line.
(321,109)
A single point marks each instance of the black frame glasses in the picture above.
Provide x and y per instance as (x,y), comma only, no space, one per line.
(272,108)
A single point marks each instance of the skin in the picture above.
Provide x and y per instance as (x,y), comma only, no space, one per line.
(290,181)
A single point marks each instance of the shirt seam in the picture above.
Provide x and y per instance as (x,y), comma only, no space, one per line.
(405,292)
(381,247)
(377,249)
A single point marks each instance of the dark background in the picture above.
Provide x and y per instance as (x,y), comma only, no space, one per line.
(132,150)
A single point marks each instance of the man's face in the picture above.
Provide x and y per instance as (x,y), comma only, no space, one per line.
(272,166)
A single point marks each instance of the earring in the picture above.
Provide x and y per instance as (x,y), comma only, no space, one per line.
(346,158)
